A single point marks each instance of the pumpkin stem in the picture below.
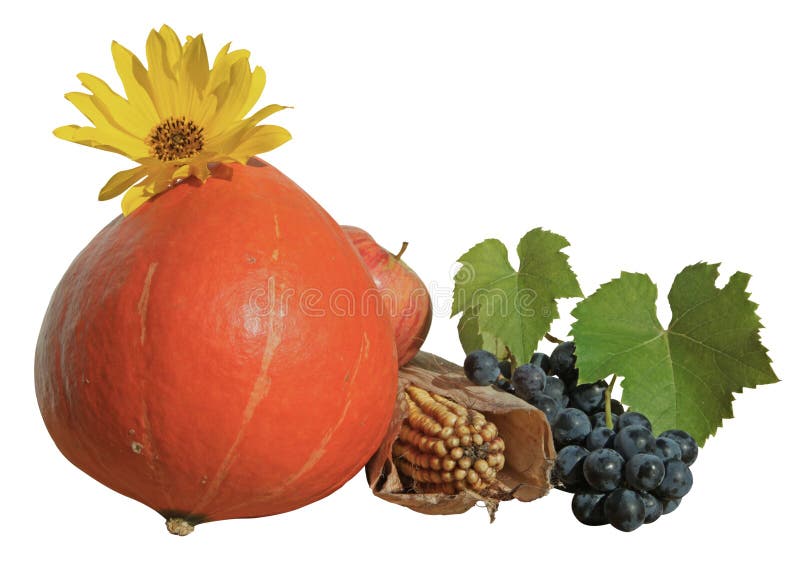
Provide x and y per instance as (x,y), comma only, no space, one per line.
(179,526)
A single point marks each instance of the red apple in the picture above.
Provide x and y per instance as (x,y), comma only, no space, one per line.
(400,291)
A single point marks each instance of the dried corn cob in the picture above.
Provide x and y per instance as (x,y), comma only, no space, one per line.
(444,447)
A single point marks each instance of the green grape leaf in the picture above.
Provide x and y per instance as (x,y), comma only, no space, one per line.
(684,376)
(472,339)
(510,308)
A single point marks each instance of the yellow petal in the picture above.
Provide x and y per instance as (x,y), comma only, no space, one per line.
(182,172)
(200,171)
(262,113)
(121,182)
(86,104)
(249,86)
(223,55)
(219,70)
(221,73)
(161,180)
(116,109)
(172,44)
(104,118)
(260,139)
(257,82)
(134,198)
(162,76)
(156,182)
(231,96)
(159,64)
(226,140)
(134,80)
(112,141)
(205,111)
(195,64)
(233,69)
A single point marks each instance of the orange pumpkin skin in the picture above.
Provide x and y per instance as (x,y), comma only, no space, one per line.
(208,355)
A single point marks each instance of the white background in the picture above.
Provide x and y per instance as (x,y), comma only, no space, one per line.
(651,135)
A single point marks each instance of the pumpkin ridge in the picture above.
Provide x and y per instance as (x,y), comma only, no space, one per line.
(259,391)
(141,307)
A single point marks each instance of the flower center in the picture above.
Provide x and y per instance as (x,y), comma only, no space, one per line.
(175,138)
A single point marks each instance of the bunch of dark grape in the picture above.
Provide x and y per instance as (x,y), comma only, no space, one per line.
(619,474)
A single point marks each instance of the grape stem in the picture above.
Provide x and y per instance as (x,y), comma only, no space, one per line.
(607,394)
(511,358)
(552,339)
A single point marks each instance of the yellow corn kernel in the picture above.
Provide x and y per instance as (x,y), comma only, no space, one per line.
(489,432)
(497,445)
(443,415)
(420,421)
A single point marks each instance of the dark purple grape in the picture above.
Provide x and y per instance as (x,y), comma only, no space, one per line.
(616,407)
(542,361)
(630,418)
(589,397)
(686,442)
(571,426)
(632,440)
(669,505)
(588,508)
(598,419)
(667,449)
(653,508)
(603,469)
(644,472)
(527,380)
(568,468)
(554,387)
(599,438)
(548,405)
(481,367)
(562,362)
(677,480)
(624,509)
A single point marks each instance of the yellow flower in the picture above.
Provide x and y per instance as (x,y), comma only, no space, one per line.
(178,117)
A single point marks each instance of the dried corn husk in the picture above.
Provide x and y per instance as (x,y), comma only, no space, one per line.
(529,452)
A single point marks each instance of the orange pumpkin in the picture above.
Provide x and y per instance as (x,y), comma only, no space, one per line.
(209,354)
